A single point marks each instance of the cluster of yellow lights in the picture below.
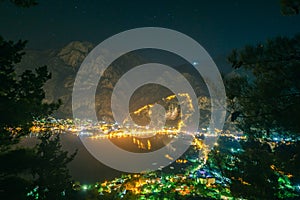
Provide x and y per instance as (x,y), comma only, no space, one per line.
(180,124)
(142,145)
(170,97)
(169,157)
(14,131)
(190,107)
(38,127)
(146,107)
(187,100)
(200,145)
(273,167)
(133,133)
(241,180)
(181,161)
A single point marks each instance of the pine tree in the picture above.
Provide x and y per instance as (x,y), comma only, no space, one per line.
(265,105)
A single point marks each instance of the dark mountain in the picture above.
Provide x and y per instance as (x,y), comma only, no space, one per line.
(64,63)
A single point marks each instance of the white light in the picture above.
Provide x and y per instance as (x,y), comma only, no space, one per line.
(195,63)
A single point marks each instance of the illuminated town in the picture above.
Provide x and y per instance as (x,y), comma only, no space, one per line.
(187,176)
(149,100)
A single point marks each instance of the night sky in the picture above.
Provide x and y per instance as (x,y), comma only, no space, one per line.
(217,25)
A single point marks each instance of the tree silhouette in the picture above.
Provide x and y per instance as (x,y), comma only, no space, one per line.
(265,105)
(51,177)
(23,3)
(290,7)
(270,100)
(26,173)
(21,97)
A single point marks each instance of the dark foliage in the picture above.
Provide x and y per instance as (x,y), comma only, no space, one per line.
(290,7)
(264,106)
(23,3)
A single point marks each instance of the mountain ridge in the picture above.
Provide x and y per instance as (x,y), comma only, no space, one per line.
(64,63)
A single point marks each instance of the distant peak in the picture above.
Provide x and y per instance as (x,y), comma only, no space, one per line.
(74,53)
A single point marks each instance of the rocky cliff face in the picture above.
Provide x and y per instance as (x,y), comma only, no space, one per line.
(74,53)
(64,64)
